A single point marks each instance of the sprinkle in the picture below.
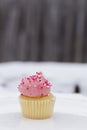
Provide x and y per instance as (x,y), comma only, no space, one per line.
(45,84)
(41,87)
(39,73)
(27,88)
(22,82)
(28,78)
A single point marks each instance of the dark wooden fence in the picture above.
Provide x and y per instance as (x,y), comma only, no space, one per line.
(43,30)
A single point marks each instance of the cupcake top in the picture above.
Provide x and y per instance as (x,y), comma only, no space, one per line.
(35,86)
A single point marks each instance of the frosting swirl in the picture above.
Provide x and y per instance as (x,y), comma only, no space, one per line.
(34,86)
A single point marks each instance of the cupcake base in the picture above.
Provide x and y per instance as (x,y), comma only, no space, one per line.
(37,108)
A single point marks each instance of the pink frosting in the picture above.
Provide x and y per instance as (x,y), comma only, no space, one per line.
(34,86)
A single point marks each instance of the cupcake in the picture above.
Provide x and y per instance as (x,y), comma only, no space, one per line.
(36,100)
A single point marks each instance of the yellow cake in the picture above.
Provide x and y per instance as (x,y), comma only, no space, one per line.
(37,108)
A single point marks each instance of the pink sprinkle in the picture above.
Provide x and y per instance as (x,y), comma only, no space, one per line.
(22,82)
(28,78)
(41,87)
(27,88)
(38,73)
(46,81)
(44,84)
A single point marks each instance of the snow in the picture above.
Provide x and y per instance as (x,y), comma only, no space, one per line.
(63,76)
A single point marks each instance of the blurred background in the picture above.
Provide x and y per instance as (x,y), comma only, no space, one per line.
(43,30)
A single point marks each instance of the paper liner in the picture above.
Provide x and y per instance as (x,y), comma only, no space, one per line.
(38,109)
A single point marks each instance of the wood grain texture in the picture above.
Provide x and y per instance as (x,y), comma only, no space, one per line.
(80,30)
(43,30)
